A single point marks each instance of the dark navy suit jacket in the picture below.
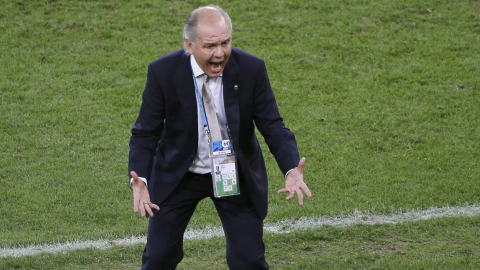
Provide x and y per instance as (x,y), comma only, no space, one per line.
(165,136)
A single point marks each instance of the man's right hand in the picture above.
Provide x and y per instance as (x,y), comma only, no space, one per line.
(141,197)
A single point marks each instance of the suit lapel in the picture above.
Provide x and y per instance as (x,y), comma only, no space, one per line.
(231,93)
(184,87)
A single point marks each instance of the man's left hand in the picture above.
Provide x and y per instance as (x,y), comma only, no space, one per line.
(294,183)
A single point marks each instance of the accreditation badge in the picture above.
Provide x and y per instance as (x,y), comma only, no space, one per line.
(224,175)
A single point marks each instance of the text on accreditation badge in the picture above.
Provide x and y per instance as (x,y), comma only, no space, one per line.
(221,147)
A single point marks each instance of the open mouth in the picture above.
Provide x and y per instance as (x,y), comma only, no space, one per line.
(216,66)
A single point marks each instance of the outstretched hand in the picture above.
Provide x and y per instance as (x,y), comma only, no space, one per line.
(141,197)
(294,183)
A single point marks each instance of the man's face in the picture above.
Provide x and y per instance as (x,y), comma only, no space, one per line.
(213,46)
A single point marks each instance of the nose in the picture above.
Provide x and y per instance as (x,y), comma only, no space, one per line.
(218,52)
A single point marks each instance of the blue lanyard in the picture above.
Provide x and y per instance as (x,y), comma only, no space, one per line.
(200,104)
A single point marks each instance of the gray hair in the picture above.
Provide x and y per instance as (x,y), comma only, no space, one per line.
(190,26)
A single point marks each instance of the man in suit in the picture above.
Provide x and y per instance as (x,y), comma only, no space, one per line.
(169,160)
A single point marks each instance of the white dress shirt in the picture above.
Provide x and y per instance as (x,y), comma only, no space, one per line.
(201,163)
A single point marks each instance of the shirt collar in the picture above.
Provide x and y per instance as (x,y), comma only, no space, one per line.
(197,70)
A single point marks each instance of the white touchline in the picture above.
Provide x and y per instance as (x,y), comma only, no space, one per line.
(284,226)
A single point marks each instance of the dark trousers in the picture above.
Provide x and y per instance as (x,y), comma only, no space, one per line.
(242,226)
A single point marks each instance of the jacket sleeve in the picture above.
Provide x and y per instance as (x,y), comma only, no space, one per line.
(147,130)
(280,140)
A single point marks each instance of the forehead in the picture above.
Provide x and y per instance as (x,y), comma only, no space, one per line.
(213,29)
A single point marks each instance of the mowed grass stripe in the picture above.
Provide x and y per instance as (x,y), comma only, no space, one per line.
(284,226)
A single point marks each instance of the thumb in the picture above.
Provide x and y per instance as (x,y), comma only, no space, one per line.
(301,163)
(134,175)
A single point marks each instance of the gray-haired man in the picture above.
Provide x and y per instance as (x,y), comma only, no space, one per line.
(171,157)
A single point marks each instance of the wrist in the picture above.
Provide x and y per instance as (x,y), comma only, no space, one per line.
(289,171)
(143,179)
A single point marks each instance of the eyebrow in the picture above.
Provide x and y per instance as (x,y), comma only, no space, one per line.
(214,43)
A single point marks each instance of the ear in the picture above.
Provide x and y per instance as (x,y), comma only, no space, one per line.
(189,45)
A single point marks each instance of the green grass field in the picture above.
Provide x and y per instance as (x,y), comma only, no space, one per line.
(383,96)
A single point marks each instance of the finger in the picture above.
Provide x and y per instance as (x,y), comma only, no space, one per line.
(154,206)
(307,190)
(142,209)
(300,197)
(150,206)
(149,210)
(291,195)
(282,190)
(136,202)
(135,205)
